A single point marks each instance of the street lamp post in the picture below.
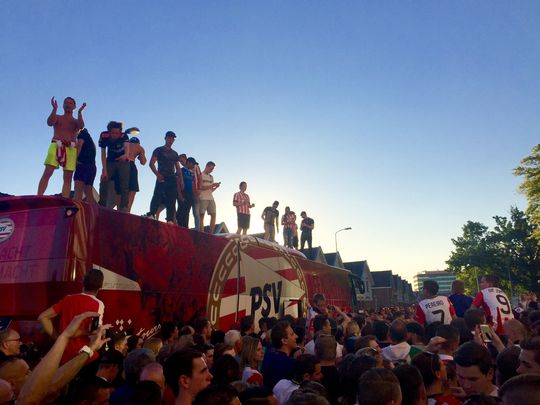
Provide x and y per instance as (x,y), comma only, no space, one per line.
(335,235)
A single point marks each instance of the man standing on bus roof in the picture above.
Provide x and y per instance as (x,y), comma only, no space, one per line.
(494,302)
(306,226)
(136,151)
(270,216)
(167,183)
(434,307)
(243,204)
(207,203)
(62,150)
(69,307)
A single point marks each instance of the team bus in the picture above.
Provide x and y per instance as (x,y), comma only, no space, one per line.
(154,272)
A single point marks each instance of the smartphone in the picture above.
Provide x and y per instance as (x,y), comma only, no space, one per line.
(485,333)
(94,324)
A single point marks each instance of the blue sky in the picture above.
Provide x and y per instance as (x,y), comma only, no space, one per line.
(400,119)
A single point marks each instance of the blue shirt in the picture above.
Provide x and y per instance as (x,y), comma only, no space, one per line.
(276,366)
(461,303)
(188,179)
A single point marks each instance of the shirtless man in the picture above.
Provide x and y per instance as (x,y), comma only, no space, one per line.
(136,151)
(62,150)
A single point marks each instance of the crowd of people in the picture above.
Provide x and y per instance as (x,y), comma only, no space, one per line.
(423,355)
(181,187)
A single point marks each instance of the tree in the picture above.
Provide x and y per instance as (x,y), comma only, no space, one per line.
(529,169)
(509,251)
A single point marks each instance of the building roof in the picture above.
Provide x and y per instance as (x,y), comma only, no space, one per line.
(316,254)
(334,259)
(382,278)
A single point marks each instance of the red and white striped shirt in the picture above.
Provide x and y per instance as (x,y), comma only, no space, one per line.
(497,306)
(243,200)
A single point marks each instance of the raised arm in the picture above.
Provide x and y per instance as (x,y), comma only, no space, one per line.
(51,120)
(36,387)
(80,120)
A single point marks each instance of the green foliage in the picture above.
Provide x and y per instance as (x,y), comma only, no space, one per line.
(509,251)
(529,169)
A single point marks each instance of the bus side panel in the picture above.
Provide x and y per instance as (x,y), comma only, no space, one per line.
(33,260)
(170,265)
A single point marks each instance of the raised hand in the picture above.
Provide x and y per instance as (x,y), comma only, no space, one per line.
(97,339)
(82,107)
(54,103)
(73,326)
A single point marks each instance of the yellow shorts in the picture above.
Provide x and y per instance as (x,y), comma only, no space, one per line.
(71,157)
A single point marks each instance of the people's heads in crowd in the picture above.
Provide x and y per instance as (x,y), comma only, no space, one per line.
(247,325)
(134,342)
(488,281)
(135,362)
(155,344)
(430,288)
(243,186)
(325,348)
(256,395)
(226,370)
(234,338)
(147,392)
(283,337)
(222,349)
(208,350)
(521,390)
(367,341)
(474,317)
(415,333)
(431,330)
(458,287)
(321,323)
(379,386)
(252,352)
(110,365)
(169,332)
(319,302)
(529,358)
(190,163)
(186,330)
(119,342)
(89,390)
(381,330)
(93,280)
(398,332)
(451,335)
(202,327)
(300,332)
(350,370)
(413,391)
(153,372)
(506,364)
(209,168)
(474,368)
(222,394)
(15,371)
(275,204)
(186,373)
(465,334)
(217,336)
(10,342)
(69,104)
(514,331)
(307,368)
(352,329)
(431,368)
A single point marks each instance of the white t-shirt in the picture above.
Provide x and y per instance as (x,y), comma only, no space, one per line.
(206,180)
(435,309)
(283,390)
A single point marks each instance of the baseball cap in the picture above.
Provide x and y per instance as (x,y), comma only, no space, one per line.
(170,133)
(134,139)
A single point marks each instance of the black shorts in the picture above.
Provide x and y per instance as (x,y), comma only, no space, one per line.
(243,221)
(85,172)
(133,177)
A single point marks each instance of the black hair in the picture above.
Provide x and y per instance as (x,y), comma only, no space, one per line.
(398,331)
(305,363)
(226,370)
(411,383)
(246,323)
(380,330)
(319,321)
(432,286)
(114,124)
(428,364)
(378,386)
(199,324)
(178,364)
(473,354)
(279,332)
(93,280)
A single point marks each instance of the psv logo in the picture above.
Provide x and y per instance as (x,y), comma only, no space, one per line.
(7,227)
